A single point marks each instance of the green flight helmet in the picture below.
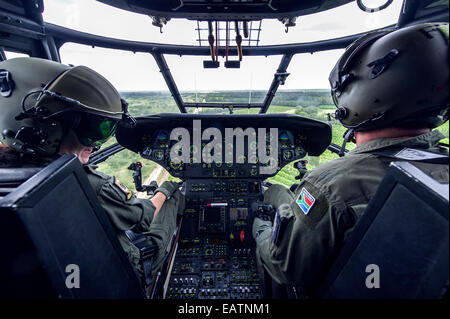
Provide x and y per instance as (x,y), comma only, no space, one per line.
(41,100)
(394,78)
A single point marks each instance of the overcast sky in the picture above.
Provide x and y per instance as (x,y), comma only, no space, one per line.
(128,71)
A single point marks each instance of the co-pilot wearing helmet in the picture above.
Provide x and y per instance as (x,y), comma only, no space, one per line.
(48,109)
(390,90)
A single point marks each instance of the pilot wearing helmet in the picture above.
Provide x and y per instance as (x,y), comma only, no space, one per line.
(390,89)
(48,109)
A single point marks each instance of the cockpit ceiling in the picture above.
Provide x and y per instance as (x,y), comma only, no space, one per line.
(226,9)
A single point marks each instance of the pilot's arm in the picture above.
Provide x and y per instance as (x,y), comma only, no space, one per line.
(124,209)
(304,238)
(156,218)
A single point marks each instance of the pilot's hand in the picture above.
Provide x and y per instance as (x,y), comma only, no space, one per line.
(259,227)
(167,188)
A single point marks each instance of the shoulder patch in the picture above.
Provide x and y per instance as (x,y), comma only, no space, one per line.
(305,201)
(417,155)
(123,188)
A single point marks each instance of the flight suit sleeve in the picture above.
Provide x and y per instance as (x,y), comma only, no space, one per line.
(163,226)
(304,239)
(277,195)
(124,209)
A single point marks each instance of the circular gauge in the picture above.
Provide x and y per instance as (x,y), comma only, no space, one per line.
(158,155)
(284,139)
(271,163)
(242,159)
(229,155)
(253,159)
(230,164)
(299,151)
(287,155)
(228,146)
(162,139)
(194,154)
(194,149)
(147,152)
(218,145)
(175,166)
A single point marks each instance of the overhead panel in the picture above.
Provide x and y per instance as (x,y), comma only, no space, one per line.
(225,9)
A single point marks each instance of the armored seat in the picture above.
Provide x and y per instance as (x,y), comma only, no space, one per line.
(11,178)
(57,241)
(399,248)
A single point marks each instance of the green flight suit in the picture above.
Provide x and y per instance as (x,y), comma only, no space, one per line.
(127,212)
(302,244)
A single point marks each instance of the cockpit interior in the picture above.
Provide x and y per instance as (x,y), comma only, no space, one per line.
(229,152)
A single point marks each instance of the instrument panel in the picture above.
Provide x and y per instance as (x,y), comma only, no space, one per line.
(234,146)
(289,148)
(216,254)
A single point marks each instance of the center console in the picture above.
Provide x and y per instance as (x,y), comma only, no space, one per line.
(216,252)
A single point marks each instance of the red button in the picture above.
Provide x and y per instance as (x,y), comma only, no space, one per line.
(242,236)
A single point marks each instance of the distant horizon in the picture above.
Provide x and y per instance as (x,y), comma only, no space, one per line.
(221,90)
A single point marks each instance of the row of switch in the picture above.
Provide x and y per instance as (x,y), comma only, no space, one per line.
(214,292)
(184,290)
(202,187)
(189,252)
(232,187)
(216,250)
(242,251)
(182,293)
(212,266)
(185,281)
(245,289)
(244,277)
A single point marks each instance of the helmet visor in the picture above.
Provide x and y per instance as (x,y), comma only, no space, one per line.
(94,130)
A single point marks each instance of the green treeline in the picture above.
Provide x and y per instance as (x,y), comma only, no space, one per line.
(143,103)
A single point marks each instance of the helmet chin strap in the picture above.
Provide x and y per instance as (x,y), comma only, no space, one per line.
(348,137)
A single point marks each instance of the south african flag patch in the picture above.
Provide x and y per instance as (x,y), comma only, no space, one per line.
(305,201)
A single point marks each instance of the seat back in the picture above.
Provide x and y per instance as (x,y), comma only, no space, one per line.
(57,241)
(11,178)
(400,246)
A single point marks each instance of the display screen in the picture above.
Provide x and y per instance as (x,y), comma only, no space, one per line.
(211,215)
